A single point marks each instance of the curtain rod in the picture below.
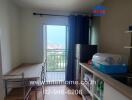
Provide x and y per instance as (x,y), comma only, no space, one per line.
(40,14)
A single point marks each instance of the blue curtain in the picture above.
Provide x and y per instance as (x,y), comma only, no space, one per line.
(78,34)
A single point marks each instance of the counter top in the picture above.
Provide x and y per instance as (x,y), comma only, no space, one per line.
(122,88)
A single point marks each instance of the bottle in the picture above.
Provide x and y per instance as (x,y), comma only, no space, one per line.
(98,87)
(101,89)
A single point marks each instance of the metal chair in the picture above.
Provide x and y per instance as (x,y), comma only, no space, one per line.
(37,87)
(16,87)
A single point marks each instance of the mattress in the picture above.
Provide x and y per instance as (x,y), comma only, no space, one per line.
(109,63)
(107,59)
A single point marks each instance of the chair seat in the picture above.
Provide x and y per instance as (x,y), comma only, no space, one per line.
(18,93)
(37,88)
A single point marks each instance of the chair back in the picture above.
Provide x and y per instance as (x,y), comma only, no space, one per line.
(43,72)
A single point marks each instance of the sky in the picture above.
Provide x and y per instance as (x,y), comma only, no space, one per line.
(56,34)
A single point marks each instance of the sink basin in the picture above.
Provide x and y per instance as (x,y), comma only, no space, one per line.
(124,78)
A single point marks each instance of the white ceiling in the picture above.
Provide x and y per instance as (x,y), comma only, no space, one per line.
(60,5)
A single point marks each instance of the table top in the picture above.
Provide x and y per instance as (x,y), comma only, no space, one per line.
(30,71)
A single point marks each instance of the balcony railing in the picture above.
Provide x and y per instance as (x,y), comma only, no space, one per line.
(56,60)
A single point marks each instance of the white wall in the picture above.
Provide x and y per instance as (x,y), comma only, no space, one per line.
(1,82)
(32,34)
(112,36)
(9,39)
(112,94)
(22,34)
(9,25)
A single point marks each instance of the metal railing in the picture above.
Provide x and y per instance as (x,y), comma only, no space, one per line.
(56,60)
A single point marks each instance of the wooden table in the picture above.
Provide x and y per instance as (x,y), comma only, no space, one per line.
(31,71)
